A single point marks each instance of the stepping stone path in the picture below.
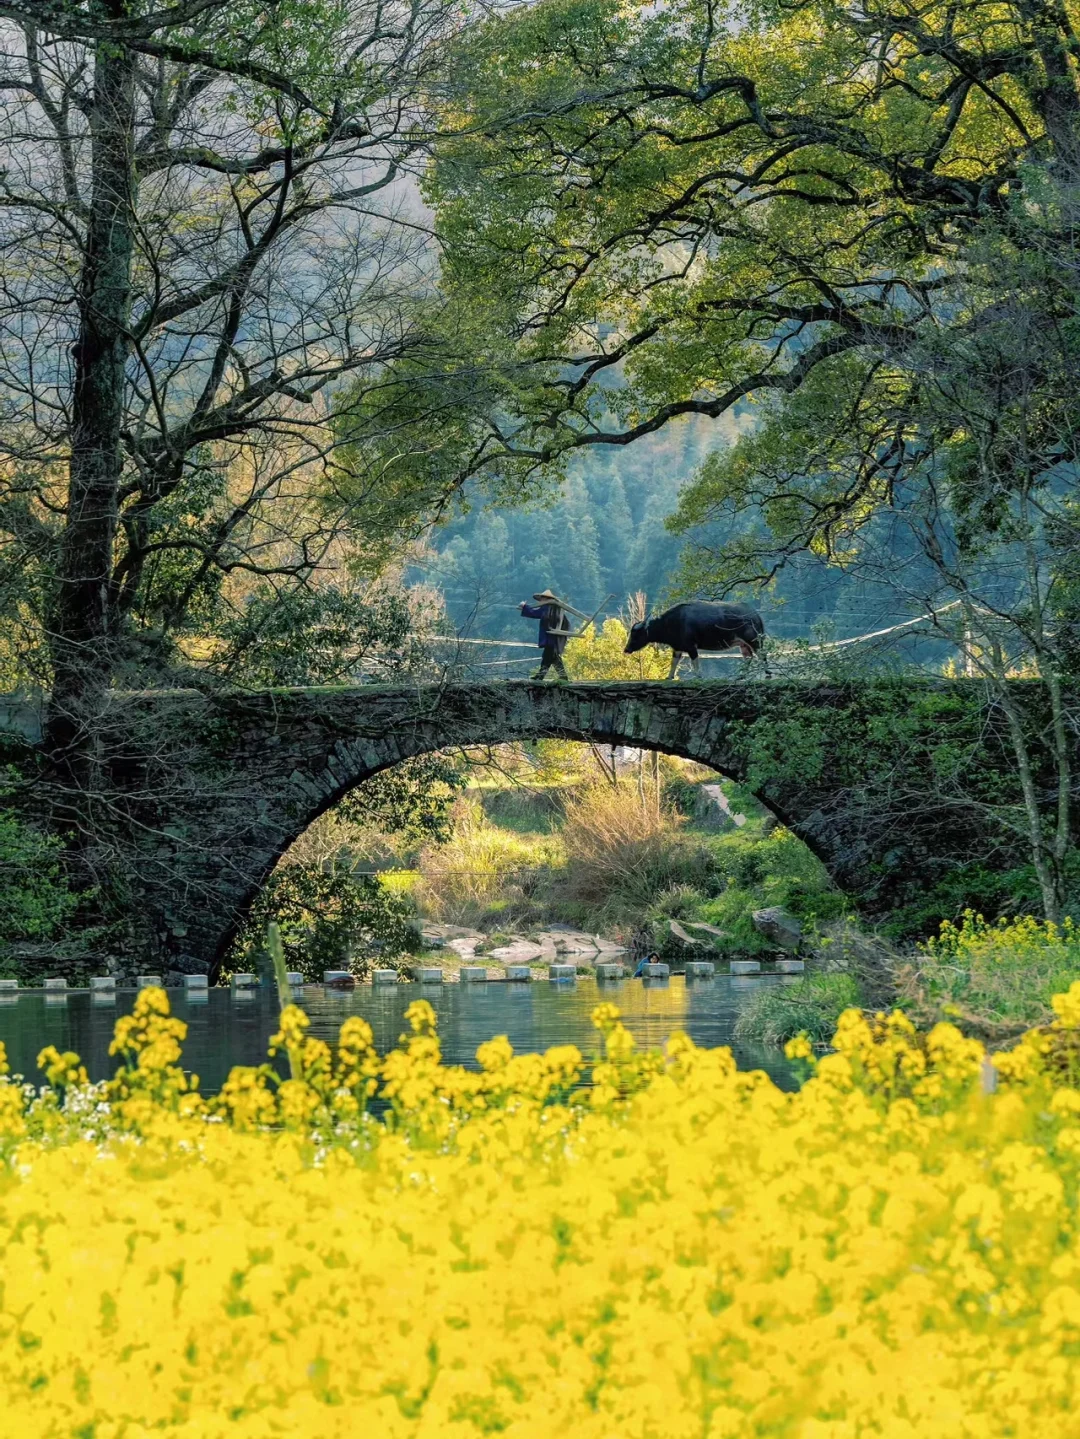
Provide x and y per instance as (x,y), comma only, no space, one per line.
(545,947)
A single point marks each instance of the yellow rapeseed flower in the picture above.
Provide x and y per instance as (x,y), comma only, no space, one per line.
(674,1250)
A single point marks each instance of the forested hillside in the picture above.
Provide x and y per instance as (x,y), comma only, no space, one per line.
(606,536)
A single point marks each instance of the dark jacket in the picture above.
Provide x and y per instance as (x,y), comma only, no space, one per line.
(548,615)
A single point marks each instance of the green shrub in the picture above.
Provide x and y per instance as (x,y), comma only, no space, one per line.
(331,919)
(35,899)
(776,1013)
(995,893)
(762,871)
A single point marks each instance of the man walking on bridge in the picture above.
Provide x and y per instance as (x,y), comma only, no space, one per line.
(553,632)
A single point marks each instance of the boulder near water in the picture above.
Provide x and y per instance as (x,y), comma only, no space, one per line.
(677,930)
(519,952)
(465,947)
(779,926)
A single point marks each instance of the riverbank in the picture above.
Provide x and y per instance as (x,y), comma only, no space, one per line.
(993,981)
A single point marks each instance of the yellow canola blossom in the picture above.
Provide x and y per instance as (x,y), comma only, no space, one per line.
(676,1251)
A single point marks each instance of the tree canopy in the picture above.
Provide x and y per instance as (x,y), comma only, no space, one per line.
(714,202)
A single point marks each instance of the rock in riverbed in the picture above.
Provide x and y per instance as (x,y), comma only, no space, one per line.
(779,926)
(677,930)
(521,951)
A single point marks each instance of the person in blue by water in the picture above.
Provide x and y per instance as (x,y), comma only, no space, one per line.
(553,632)
(651,958)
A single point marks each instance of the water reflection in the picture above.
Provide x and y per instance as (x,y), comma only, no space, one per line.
(227,1028)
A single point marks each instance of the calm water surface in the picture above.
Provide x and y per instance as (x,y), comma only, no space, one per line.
(232,1028)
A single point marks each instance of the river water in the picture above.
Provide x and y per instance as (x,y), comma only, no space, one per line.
(232,1027)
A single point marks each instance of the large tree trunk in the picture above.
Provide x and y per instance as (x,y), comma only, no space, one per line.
(81,621)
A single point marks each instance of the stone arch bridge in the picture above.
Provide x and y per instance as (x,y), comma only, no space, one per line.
(209,790)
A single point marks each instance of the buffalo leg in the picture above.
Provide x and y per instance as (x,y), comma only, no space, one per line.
(754,652)
(676,657)
(695,660)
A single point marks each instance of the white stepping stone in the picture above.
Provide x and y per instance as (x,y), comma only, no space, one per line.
(606,969)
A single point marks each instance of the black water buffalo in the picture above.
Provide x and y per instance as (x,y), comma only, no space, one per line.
(700,625)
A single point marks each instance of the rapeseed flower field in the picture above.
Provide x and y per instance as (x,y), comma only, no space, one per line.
(675,1250)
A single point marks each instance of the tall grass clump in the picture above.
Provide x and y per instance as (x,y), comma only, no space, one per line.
(624,848)
(996,974)
(812,1006)
(484,872)
(528,809)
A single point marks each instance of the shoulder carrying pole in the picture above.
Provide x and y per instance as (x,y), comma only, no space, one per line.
(589,621)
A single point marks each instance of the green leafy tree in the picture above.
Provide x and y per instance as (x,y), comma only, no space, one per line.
(318,636)
(204,239)
(412,800)
(710,204)
(35,898)
(331,918)
(854,226)
(943,475)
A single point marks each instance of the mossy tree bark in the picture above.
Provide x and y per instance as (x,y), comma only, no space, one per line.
(82,638)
